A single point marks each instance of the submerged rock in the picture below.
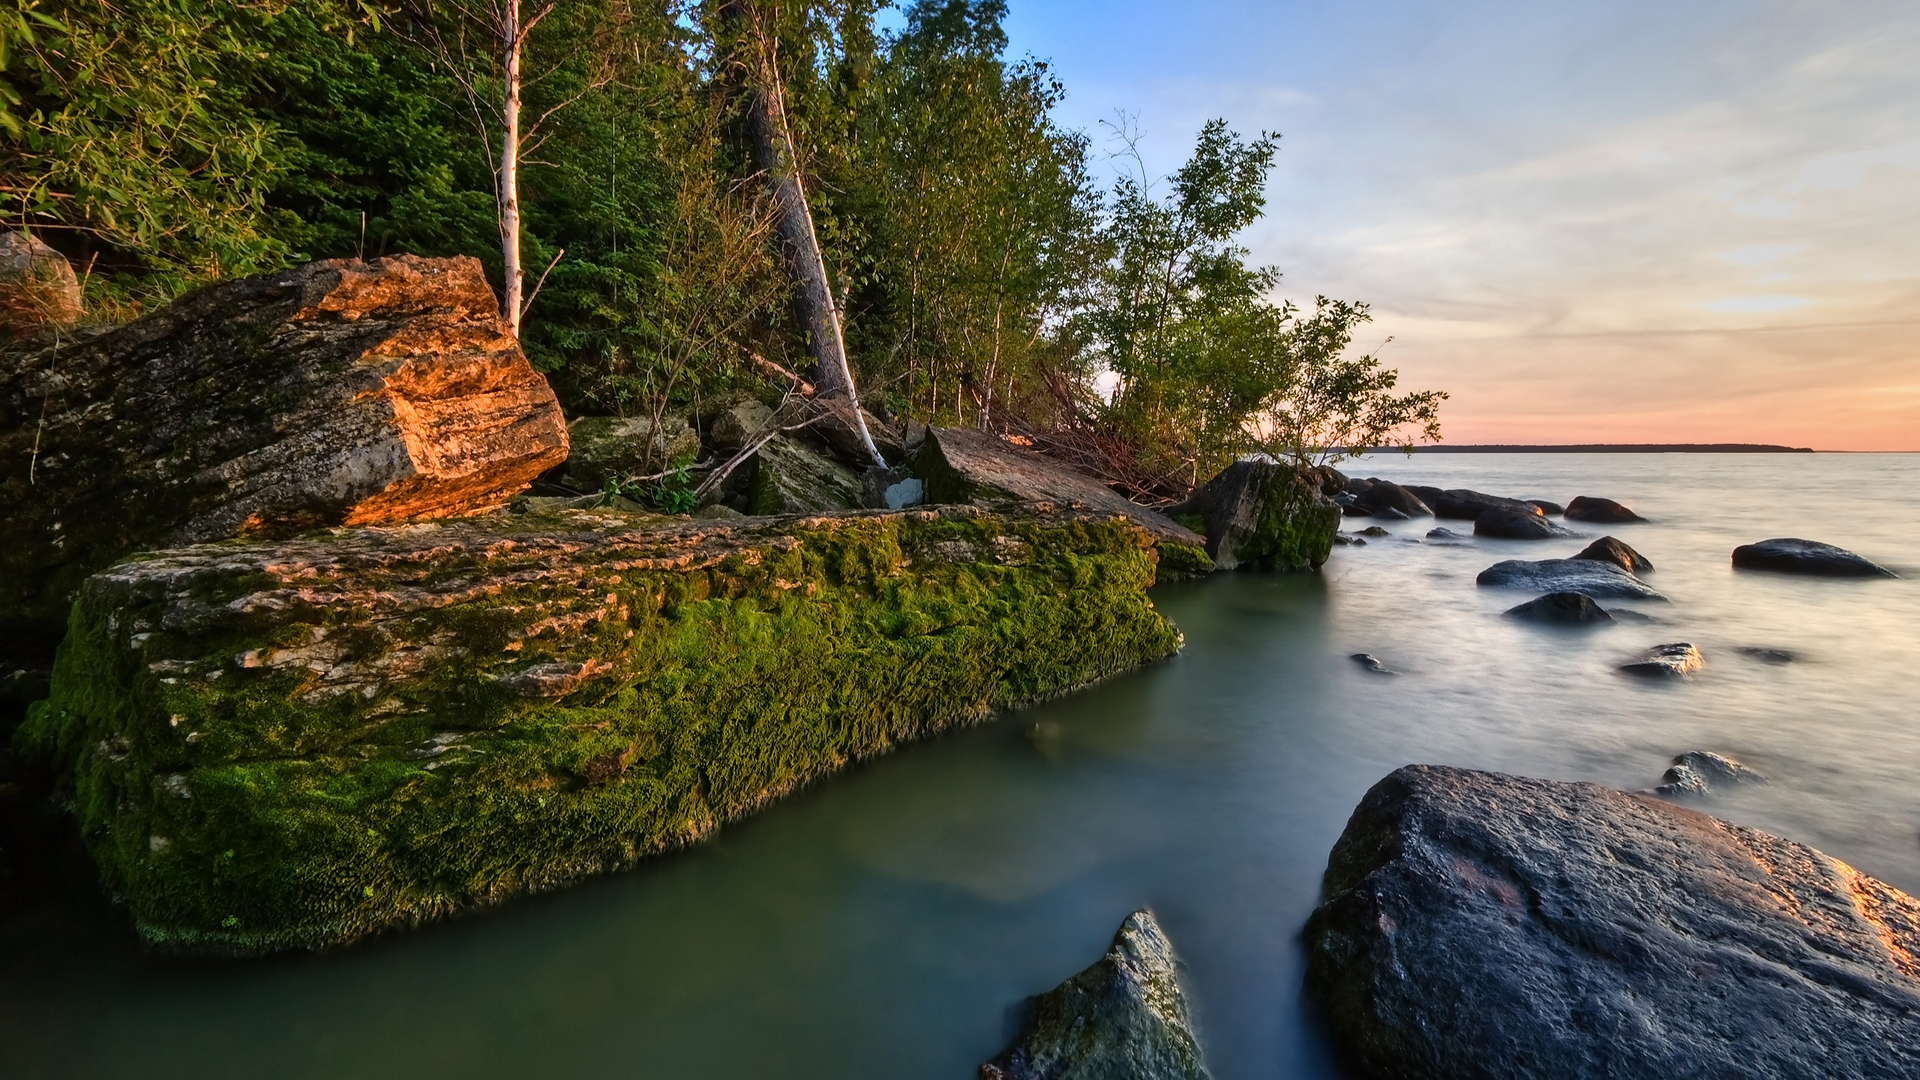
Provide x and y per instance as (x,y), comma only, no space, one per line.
(1124,1018)
(339,393)
(385,725)
(1489,926)
(1608,550)
(1510,524)
(1561,607)
(1372,663)
(1600,511)
(1767,655)
(1265,514)
(1374,530)
(1443,533)
(1667,661)
(1590,576)
(1696,772)
(1791,556)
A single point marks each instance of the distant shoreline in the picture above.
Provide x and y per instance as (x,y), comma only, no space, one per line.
(1616,448)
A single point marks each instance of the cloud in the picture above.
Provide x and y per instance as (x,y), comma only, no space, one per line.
(1755,304)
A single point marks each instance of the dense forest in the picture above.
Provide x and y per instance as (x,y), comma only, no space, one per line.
(984,273)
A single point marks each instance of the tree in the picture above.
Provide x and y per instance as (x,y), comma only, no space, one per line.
(1335,408)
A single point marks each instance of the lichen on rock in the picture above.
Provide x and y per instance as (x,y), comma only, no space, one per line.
(371,727)
(1264,513)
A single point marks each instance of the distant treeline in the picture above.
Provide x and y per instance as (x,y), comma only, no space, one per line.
(1619,448)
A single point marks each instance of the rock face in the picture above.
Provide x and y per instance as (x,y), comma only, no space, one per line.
(38,288)
(1488,926)
(287,745)
(606,448)
(1386,495)
(1696,772)
(1790,556)
(1590,576)
(1509,524)
(340,393)
(1561,607)
(1261,513)
(1608,550)
(1600,511)
(1667,661)
(1124,1018)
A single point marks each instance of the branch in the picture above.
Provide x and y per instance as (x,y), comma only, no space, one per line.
(528,306)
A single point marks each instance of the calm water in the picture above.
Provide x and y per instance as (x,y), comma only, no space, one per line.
(882,924)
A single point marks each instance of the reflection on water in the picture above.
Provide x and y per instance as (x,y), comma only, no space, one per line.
(881,924)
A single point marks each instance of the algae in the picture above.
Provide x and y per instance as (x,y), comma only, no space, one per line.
(278,747)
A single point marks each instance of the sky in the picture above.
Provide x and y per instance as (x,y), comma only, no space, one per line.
(1612,221)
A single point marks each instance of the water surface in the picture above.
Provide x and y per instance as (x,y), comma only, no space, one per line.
(882,924)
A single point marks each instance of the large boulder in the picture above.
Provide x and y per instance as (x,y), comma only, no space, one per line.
(1124,1018)
(1600,511)
(285,745)
(340,393)
(1260,512)
(1489,926)
(1508,523)
(787,476)
(1462,504)
(1791,556)
(1386,495)
(1609,550)
(604,448)
(38,288)
(1590,576)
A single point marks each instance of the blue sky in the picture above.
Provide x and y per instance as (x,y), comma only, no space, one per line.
(1619,221)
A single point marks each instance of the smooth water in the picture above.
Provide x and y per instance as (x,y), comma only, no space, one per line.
(882,924)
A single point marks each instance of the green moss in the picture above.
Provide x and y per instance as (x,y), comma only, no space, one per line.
(246,809)
(1295,527)
(1179,561)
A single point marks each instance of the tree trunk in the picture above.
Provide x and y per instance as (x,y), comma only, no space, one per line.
(773,153)
(512,37)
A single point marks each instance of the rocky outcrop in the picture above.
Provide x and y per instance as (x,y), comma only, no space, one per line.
(1386,495)
(285,745)
(1696,772)
(1791,556)
(960,465)
(1561,607)
(787,476)
(1608,550)
(1506,523)
(604,448)
(1590,576)
(1124,1018)
(340,393)
(1667,661)
(1480,925)
(38,288)
(1263,513)
(1600,511)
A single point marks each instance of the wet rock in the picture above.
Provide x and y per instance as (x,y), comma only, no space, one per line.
(1600,511)
(1345,540)
(1332,481)
(791,477)
(1696,772)
(338,393)
(1388,513)
(1590,576)
(1791,556)
(1489,926)
(1667,661)
(1561,607)
(962,465)
(1443,533)
(1768,655)
(1463,504)
(1374,530)
(1124,1018)
(1263,513)
(1509,524)
(1551,509)
(1382,495)
(38,288)
(1608,550)
(1621,614)
(604,448)
(1372,663)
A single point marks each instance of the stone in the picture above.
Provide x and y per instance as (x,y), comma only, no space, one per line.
(1370,662)
(1385,495)
(1608,550)
(1462,504)
(1696,771)
(1443,533)
(908,492)
(833,429)
(1124,1018)
(385,725)
(1561,607)
(1332,481)
(1480,925)
(731,422)
(603,448)
(1600,511)
(790,477)
(38,288)
(1667,661)
(962,465)
(1767,655)
(1590,576)
(1791,556)
(1263,513)
(1621,614)
(1551,509)
(1374,530)
(1388,513)
(338,393)
(1506,523)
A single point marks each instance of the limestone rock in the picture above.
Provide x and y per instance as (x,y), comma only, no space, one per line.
(1590,576)
(1124,1018)
(1263,513)
(385,725)
(1608,550)
(961,465)
(603,448)
(1600,511)
(1667,661)
(1561,607)
(1489,926)
(790,477)
(339,393)
(38,288)
(1791,556)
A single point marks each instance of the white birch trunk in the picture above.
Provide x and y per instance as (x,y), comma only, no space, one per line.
(512,38)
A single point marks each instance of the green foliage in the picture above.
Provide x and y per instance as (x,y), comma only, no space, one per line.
(1334,407)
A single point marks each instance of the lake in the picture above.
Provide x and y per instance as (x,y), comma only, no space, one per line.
(884,923)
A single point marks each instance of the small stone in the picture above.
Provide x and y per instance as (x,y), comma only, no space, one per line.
(1443,533)
(1561,607)
(1768,655)
(1372,663)
(1696,771)
(1667,661)
(1600,511)
(1374,530)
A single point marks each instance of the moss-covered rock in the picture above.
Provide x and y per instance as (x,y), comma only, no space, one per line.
(790,477)
(1264,513)
(288,745)
(603,448)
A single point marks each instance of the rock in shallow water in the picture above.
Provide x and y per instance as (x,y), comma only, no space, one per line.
(1264,513)
(1667,661)
(1588,576)
(1489,926)
(1608,550)
(1600,511)
(1124,1018)
(1696,772)
(1372,663)
(1561,607)
(1509,524)
(1791,556)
